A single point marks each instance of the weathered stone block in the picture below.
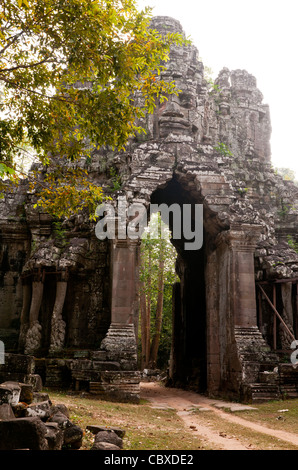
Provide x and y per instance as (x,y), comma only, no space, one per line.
(95,429)
(42,410)
(107,446)
(23,433)
(39,396)
(6,412)
(36,382)
(10,393)
(108,436)
(20,410)
(54,436)
(26,395)
(61,408)
(18,363)
(72,434)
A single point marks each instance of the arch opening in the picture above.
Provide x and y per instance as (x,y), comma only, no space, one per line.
(188,358)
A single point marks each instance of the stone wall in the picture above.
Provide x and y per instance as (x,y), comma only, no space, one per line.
(47,274)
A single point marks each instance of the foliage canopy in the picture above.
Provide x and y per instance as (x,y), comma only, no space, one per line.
(72,73)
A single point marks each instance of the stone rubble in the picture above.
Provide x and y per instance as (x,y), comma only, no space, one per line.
(40,425)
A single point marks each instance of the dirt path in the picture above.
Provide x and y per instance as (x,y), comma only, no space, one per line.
(183,402)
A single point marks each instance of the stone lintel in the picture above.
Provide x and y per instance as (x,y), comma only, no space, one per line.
(242,237)
(240,243)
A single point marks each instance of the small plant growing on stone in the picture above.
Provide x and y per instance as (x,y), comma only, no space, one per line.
(285,209)
(292,243)
(59,232)
(223,149)
(116,180)
(242,191)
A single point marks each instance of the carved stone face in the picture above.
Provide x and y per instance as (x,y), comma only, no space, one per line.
(173,121)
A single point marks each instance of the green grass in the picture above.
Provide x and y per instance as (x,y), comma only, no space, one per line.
(270,415)
(146,428)
(161,429)
(253,440)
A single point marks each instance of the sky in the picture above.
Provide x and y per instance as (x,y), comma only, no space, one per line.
(260,36)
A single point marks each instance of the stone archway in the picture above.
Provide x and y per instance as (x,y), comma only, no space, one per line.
(215,145)
(215,318)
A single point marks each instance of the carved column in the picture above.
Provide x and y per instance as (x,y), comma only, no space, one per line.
(58,325)
(24,319)
(34,335)
(236,317)
(120,341)
(241,244)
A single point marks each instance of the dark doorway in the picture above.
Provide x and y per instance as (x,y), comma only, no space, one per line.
(188,364)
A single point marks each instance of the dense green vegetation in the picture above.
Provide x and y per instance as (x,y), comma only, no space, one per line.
(74,76)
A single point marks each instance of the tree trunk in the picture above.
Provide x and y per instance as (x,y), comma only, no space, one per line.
(148,313)
(159,309)
(143,310)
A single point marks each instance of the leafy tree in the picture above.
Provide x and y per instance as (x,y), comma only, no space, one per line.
(74,75)
(157,275)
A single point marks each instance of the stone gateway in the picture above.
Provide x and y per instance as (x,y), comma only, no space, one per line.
(71,301)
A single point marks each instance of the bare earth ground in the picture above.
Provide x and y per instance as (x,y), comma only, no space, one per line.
(184,401)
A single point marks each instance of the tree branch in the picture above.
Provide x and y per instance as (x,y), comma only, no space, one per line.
(34,92)
(12,41)
(26,66)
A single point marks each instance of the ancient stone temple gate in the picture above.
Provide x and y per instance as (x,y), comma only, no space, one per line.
(73,303)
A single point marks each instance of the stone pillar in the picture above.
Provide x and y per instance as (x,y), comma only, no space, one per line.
(125,266)
(58,324)
(241,348)
(24,319)
(213,321)
(176,348)
(287,314)
(33,337)
(115,364)
(120,342)
(241,242)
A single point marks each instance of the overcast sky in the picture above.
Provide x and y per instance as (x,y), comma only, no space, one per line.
(260,36)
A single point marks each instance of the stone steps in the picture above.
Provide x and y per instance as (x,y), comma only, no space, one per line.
(274,385)
(266,378)
(122,386)
(289,391)
(260,393)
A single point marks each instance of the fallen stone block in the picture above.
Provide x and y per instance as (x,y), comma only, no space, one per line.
(95,429)
(42,410)
(19,409)
(108,436)
(104,446)
(54,436)
(72,433)
(6,412)
(26,395)
(23,433)
(60,407)
(73,436)
(10,393)
(39,396)
(36,382)
(59,418)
